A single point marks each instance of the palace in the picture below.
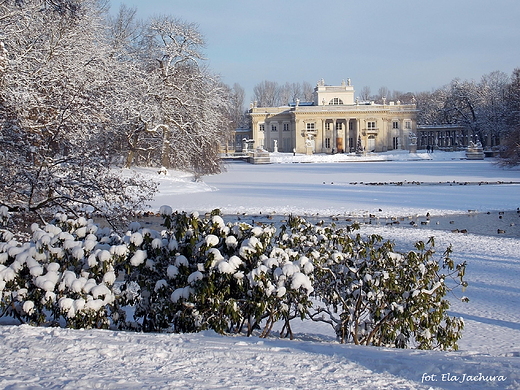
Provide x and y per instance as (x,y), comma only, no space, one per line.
(335,122)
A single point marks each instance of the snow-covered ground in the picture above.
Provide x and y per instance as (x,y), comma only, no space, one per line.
(441,184)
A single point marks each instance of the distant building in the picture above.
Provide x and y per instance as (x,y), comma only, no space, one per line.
(238,141)
(335,122)
(445,137)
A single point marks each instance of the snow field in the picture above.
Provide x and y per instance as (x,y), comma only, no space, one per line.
(63,358)
(35,358)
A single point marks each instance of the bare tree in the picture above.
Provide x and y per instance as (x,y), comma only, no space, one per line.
(382,93)
(192,104)
(267,94)
(307,93)
(403,97)
(510,148)
(481,107)
(81,95)
(431,107)
(510,151)
(270,94)
(134,105)
(492,107)
(364,94)
(170,112)
(286,93)
(238,95)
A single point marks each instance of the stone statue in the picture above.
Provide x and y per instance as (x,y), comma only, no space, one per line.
(475,151)
(308,144)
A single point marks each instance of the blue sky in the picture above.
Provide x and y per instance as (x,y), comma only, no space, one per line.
(405,45)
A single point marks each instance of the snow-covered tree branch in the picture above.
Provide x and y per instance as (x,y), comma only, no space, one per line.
(82,95)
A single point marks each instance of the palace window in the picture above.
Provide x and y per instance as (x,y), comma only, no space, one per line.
(327,143)
(371,125)
(395,125)
(310,126)
(335,102)
(339,126)
(274,128)
(408,125)
(262,127)
(327,125)
(286,127)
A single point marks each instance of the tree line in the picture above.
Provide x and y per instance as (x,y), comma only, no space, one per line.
(271,94)
(490,108)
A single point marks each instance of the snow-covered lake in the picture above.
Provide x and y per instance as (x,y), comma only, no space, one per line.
(441,184)
(351,187)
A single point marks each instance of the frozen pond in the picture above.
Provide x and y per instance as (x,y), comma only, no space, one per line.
(447,190)
(398,188)
(476,197)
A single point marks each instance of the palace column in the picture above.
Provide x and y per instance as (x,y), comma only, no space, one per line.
(346,136)
(401,134)
(386,134)
(337,134)
(323,135)
(299,137)
(334,135)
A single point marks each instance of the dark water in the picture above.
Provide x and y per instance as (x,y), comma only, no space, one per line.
(494,223)
(505,224)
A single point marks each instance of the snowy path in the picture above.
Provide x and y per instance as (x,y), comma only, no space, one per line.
(36,358)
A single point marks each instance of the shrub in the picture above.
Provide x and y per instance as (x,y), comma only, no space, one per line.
(60,273)
(205,274)
(202,273)
(375,296)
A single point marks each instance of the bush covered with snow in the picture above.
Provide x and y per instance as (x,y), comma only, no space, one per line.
(202,273)
(60,274)
(372,295)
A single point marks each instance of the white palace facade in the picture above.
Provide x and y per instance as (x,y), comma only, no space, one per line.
(335,122)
